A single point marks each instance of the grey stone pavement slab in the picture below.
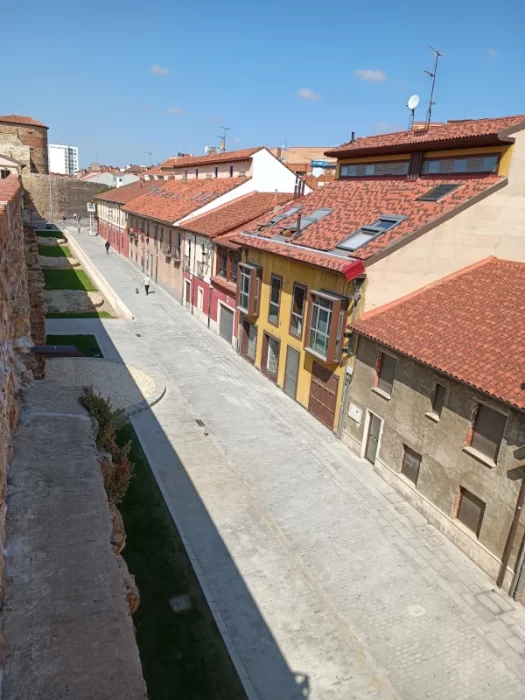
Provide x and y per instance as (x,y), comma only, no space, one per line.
(325,583)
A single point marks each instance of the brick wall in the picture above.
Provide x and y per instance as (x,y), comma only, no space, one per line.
(36,138)
(69,195)
(15,337)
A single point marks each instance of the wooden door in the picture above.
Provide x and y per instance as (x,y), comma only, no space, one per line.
(323,395)
(372,439)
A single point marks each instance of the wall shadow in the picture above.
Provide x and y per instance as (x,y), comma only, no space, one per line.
(246,627)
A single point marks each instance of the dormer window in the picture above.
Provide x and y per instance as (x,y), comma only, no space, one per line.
(388,168)
(367,233)
(464,166)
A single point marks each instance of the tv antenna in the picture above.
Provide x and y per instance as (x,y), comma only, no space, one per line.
(431,103)
(412,104)
(148,153)
(222,137)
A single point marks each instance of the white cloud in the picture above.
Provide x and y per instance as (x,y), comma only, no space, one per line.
(493,53)
(175,110)
(158,70)
(308,94)
(370,75)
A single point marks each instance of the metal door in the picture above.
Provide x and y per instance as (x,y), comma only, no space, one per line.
(226,323)
(323,395)
(291,371)
(372,440)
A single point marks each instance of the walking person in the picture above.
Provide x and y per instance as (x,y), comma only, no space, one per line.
(147,283)
(107,246)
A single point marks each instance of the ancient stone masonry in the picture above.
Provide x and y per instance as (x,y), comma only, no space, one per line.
(16,313)
(35,288)
(69,196)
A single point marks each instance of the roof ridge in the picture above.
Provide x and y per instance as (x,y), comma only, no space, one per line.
(453,275)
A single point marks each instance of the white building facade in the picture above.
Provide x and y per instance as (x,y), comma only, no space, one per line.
(63,159)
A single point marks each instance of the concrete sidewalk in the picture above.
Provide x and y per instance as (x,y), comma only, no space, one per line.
(326,583)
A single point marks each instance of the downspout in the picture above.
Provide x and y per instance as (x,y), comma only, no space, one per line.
(357,296)
(512,534)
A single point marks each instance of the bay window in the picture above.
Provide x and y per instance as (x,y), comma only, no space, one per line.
(325,325)
(248,289)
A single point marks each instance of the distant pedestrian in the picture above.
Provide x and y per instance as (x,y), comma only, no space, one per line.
(75,217)
(64,219)
(107,246)
(79,219)
(147,283)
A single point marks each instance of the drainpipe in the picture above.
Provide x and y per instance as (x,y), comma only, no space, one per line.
(209,302)
(518,585)
(512,534)
(357,296)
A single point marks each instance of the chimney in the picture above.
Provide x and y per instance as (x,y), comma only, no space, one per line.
(279,152)
(212,150)
(353,137)
(298,227)
(275,200)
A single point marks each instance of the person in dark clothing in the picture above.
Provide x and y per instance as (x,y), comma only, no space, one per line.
(107,246)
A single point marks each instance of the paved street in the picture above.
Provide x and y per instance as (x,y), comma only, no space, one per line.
(326,584)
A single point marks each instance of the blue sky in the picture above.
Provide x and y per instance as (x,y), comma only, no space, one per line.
(120,79)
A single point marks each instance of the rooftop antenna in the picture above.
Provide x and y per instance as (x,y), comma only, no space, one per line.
(222,137)
(412,104)
(437,54)
(148,153)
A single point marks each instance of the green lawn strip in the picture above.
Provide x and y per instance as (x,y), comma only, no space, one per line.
(182,654)
(68,279)
(85,343)
(54,251)
(49,234)
(82,314)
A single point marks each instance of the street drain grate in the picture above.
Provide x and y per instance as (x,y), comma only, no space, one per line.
(180,603)
(199,422)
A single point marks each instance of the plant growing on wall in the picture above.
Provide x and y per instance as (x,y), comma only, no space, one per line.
(116,473)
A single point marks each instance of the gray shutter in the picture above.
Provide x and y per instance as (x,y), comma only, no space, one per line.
(439,399)
(411,464)
(488,431)
(387,374)
(471,511)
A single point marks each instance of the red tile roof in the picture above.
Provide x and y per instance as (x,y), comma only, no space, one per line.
(210,159)
(240,212)
(361,202)
(17,119)
(123,195)
(173,200)
(467,326)
(452,131)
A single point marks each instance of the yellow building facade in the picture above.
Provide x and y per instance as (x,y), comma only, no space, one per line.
(326,378)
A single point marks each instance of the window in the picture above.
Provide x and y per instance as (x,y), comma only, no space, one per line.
(411,464)
(375,169)
(487,433)
(248,289)
(436,193)
(216,171)
(275,299)
(270,356)
(297,315)
(465,165)
(200,298)
(470,511)
(223,263)
(227,262)
(196,172)
(386,372)
(438,399)
(325,327)
(231,170)
(367,233)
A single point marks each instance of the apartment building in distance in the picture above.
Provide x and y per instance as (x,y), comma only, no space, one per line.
(63,159)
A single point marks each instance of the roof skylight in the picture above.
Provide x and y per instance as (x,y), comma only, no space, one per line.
(436,193)
(367,233)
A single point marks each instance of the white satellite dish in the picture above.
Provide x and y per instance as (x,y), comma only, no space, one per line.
(413,102)
(206,149)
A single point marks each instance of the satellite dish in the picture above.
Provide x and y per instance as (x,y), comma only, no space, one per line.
(413,102)
(206,149)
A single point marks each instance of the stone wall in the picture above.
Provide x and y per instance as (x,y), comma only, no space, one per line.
(35,288)
(69,195)
(33,136)
(15,338)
